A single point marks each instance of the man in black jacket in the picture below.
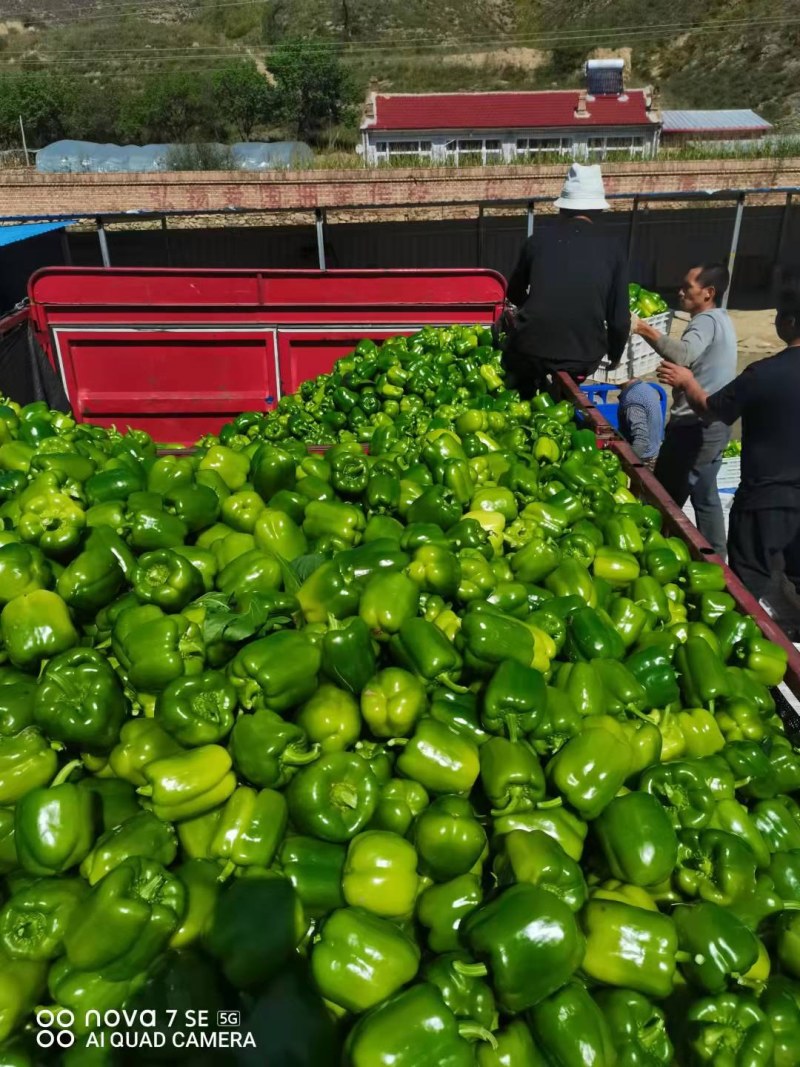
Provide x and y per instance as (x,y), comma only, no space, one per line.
(571,288)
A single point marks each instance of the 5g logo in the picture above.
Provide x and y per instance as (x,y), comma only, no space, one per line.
(54,1028)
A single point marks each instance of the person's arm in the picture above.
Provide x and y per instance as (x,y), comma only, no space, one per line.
(726,405)
(638,429)
(520,279)
(696,338)
(618,313)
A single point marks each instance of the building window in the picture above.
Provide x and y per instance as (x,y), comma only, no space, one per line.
(473,151)
(410,152)
(596,146)
(542,146)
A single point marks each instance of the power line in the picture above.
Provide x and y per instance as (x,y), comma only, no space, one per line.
(360,51)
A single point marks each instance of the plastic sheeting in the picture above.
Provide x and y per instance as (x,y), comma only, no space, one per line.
(77,157)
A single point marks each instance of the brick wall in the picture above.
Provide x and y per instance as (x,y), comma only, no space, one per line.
(24,192)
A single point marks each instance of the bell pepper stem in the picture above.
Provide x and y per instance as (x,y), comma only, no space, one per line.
(553,802)
(145,790)
(226,871)
(454,687)
(65,772)
(293,757)
(470,970)
(473,1032)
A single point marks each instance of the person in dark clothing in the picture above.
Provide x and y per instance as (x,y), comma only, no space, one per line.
(571,288)
(765,517)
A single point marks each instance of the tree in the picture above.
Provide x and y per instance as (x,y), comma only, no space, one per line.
(312,87)
(42,98)
(170,106)
(242,96)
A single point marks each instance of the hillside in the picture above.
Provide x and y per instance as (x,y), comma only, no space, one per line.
(726,53)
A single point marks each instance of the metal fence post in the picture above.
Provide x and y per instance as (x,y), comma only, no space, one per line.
(632,227)
(101,236)
(530,218)
(165,231)
(737,228)
(785,216)
(479,237)
(319,216)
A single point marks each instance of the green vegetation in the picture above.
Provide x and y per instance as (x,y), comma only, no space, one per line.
(211,70)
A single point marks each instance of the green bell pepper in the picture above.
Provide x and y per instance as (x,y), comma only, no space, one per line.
(188,783)
(589,770)
(315,870)
(278,672)
(267,750)
(448,838)
(140,742)
(250,828)
(333,798)
(646,856)
(80,701)
(529,940)
(380,874)
(141,835)
(629,947)
(441,759)
(570,1027)
(360,959)
(392,702)
(536,858)
(36,626)
(730,1029)
(718,943)
(33,922)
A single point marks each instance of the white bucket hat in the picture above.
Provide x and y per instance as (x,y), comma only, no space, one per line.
(583,189)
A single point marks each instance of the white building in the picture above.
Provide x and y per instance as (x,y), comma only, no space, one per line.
(591,123)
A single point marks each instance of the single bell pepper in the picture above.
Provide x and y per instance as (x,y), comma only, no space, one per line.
(21,986)
(197,710)
(36,626)
(251,572)
(277,672)
(80,701)
(325,518)
(629,947)
(514,700)
(413,1028)
(571,578)
(33,922)
(637,839)
(380,874)
(315,870)
(54,828)
(250,828)
(400,802)
(448,838)
(140,742)
(780,1003)
(730,1028)
(488,637)
(778,822)
(348,656)
(702,674)
(719,945)
(689,789)
(23,569)
(151,527)
(126,920)
(330,719)
(464,988)
(435,569)
(188,783)
(388,600)
(441,909)
(511,776)
(652,667)
(615,566)
(589,770)
(536,858)
(267,750)
(584,687)
(327,592)
(423,649)
(439,758)
(360,959)
(740,720)
(714,865)
(392,702)
(477,577)
(50,519)
(703,577)
(766,661)
(622,534)
(591,635)
(141,835)
(232,467)
(529,940)
(637,1027)
(733,631)
(620,684)
(277,532)
(17,699)
(570,1027)
(333,798)
(154,648)
(663,565)
(94,578)
(514,1047)
(535,560)
(642,737)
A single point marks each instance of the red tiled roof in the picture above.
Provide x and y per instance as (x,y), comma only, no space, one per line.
(502,111)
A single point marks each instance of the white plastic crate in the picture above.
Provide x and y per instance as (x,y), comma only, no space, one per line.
(639,358)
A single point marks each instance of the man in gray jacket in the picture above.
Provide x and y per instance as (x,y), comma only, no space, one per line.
(691,454)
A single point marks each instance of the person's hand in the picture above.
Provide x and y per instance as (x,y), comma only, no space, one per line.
(672,374)
(643,329)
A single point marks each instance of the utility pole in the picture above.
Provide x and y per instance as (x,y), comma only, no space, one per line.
(24,143)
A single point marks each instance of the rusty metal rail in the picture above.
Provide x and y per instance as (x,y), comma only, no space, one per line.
(645,485)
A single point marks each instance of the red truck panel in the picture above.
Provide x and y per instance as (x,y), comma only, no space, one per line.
(177,352)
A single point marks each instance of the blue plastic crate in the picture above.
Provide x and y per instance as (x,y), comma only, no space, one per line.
(598,393)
